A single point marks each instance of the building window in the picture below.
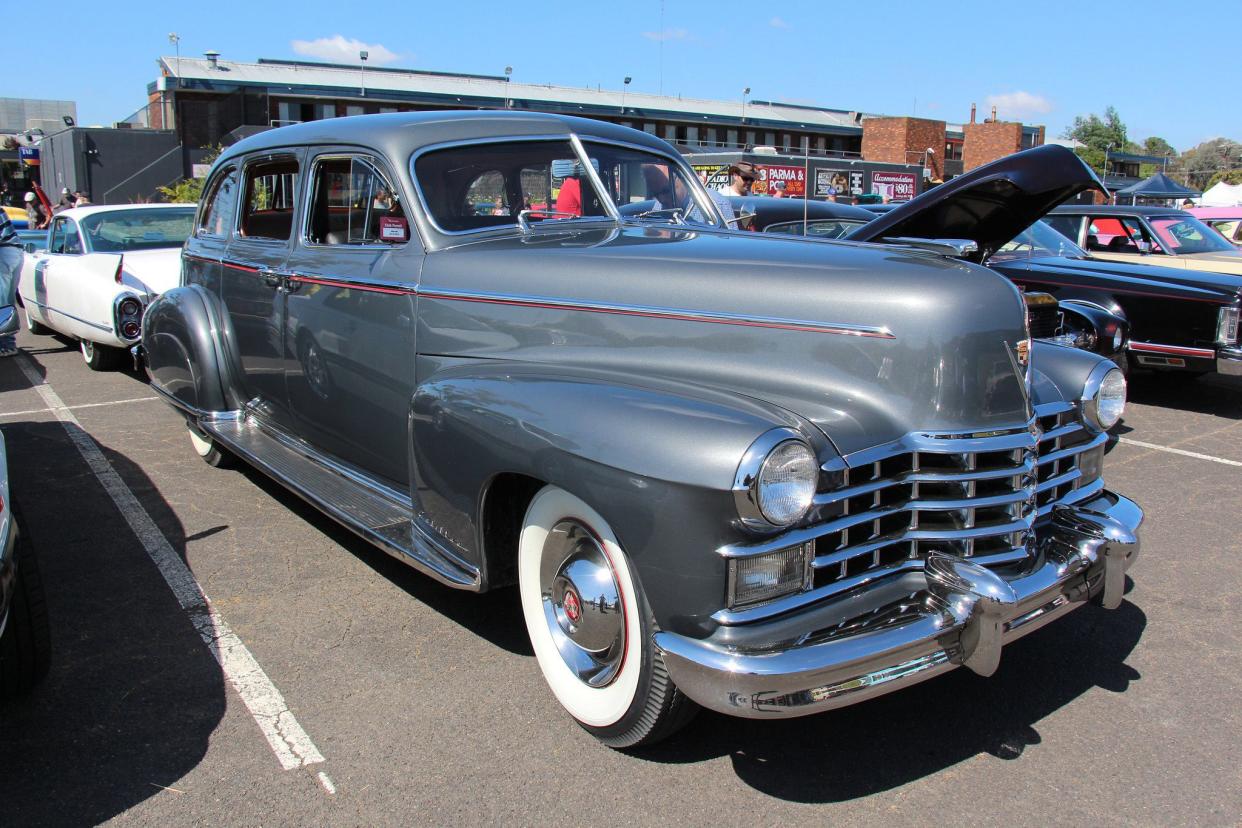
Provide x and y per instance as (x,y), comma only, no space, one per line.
(649,128)
(769,138)
(731,138)
(355,109)
(750,137)
(821,145)
(322,111)
(670,132)
(692,135)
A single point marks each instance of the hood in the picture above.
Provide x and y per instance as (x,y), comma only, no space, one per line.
(153,271)
(989,205)
(1140,279)
(868,343)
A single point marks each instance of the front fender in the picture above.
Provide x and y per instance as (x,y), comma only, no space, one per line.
(1060,372)
(1103,323)
(656,460)
(181,357)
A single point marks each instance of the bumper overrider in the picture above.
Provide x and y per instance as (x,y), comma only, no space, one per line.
(904,630)
(1229,361)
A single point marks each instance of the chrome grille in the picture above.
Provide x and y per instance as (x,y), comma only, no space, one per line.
(1044,320)
(977,496)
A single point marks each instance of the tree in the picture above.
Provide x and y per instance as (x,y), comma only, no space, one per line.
(190,190)
(1228,176)
(1098,137)
(1209,158)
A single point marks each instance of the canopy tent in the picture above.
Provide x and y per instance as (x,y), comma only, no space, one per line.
(1159,186)
(1222,195)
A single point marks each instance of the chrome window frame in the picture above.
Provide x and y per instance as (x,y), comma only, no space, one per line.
(244,167)
(372,159)
(200,215)
(61,221)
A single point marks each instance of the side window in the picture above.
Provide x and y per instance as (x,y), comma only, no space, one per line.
(73,242)
(269,198)
(352,202)
(1065,225)
(221,205)
(56,239)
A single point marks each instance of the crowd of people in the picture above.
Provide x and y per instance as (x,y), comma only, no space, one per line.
(38,218)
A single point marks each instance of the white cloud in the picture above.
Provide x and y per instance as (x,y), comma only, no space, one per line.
(778,23)
(340,49)
(1019,105)
(667,34)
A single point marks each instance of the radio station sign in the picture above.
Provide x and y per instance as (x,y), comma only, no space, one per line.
(769,174)
(894,186)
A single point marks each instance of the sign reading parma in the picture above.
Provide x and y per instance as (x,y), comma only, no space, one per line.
(894,186)
(769,174)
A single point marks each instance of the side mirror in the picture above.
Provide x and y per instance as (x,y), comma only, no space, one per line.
(30,247)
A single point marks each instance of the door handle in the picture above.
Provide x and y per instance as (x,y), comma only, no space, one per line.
(292,285)
(271,278)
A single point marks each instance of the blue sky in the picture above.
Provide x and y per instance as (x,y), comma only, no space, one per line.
(1168,68)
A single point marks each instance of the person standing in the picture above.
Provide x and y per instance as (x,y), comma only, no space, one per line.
(65,203)
(10,269)
(35,219)
(742,176)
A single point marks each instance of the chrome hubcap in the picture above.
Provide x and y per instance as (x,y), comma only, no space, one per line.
(582,603)
(88,350)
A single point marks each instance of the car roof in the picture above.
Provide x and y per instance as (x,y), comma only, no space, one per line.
(1115,210)
(404,132)
(83,212)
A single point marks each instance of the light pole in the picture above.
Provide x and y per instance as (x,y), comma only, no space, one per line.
(508,79)
(362,57)
(745,92)
(624,86)
(175,40)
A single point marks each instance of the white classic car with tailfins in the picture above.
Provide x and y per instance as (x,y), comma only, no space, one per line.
(101,268)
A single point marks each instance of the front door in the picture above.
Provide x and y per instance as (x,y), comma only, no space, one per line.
(252,280)
(349,332)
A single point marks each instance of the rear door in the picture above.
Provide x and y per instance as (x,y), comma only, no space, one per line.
(63,283)
(252,279)
(349,333)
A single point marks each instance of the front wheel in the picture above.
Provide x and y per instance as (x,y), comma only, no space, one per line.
(99,357)
(590,626)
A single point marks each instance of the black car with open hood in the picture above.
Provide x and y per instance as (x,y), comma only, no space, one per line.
(1143,316)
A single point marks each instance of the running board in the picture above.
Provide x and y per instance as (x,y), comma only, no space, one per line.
(383,518)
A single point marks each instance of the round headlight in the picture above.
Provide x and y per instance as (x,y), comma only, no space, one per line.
(1105,404)
(786,483)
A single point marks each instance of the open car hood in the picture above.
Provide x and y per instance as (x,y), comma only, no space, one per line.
(989,205)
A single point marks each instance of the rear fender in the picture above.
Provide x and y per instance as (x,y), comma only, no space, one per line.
(182,358)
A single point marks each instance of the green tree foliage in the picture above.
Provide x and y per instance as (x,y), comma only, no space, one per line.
(1201,164)
(1098,136)
(190,190)
(1233,176)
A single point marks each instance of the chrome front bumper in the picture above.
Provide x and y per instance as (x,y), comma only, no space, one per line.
(1229,361)
(906,630)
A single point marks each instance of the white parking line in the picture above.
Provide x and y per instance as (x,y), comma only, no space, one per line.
(288,740)
(1182,452)
(74,407)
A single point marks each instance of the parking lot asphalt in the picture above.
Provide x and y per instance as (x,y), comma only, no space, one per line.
(427,706)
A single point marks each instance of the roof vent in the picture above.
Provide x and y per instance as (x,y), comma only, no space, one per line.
(213,58)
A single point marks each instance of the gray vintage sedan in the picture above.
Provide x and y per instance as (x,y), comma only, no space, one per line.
(764,475)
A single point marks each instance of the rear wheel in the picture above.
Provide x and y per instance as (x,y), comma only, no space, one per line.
(99,357)
(26,645)
(209,450)
(590,626)
(36,328)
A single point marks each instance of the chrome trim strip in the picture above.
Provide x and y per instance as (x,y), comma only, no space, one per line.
(95,325)
(1072,451)
(593,177)
(825,498)
(678,314)
(1176,350)
(1081,493)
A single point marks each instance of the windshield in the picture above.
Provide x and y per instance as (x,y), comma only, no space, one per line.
(482,186)
(816,228)
(1184,235)
(1039,240)
(149,229)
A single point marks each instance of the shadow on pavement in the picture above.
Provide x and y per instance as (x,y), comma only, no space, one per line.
(495,616)
(1214,394)
(133,695)
(899,738)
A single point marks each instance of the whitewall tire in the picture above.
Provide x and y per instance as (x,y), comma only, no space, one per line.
(590,626)
(206,448)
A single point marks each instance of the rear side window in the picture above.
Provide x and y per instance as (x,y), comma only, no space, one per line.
(221,205)
(353,203)
(267,206)
(1065,225)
